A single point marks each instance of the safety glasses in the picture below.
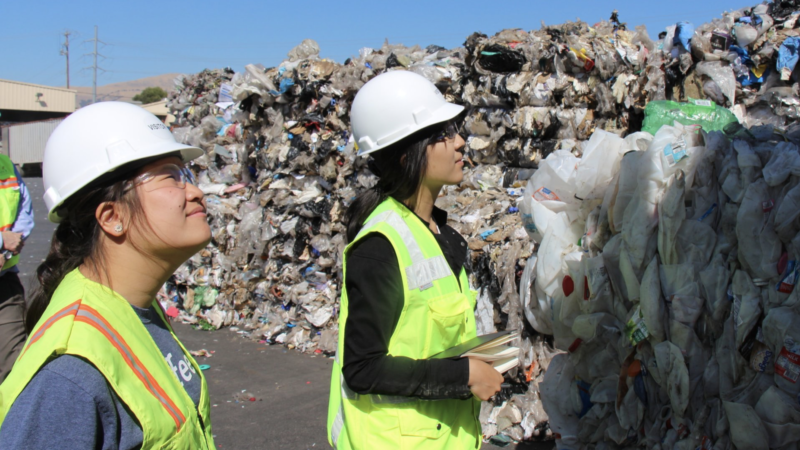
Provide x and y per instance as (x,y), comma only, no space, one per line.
(450,130)
(165,176)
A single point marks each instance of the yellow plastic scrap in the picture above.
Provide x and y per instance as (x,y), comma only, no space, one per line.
(758,71)
(580,53)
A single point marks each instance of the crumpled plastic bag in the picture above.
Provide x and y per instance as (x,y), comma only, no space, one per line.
(746,428)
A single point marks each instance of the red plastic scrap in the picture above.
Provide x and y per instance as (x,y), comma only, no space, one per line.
(529,372)
(568,286)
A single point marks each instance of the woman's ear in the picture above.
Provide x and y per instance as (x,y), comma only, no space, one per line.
(109,216)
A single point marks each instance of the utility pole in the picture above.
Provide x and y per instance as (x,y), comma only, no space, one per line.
(65,52)
(94,67)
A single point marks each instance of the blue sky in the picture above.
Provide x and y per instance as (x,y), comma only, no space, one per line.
(147,38)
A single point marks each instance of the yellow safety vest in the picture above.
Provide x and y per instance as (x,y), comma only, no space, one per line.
(89,320)
(9,201)
(437,314)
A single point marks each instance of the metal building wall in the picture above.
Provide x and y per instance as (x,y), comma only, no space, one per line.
(15,95)
(26,141)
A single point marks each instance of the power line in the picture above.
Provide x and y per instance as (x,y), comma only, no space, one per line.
(47,69)
(22,37)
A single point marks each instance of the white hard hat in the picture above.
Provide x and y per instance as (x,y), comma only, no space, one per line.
(97,139)
(395,105)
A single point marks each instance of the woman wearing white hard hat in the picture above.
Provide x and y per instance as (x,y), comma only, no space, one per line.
(406,295)
(102,367)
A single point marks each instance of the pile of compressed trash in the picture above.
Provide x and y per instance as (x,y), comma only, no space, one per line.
(667,273)
(585,267)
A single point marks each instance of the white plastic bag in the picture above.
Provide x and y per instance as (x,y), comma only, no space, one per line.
(558,391)
(759,246)
(641,216)
(652,304)
(747,431)
(599,164)
(561,238)
(784,161)
(671,213)
(722,75)
(626,191)
(537,311)
(536,215)
(555,180)
(781,330)
(673,371)
(780,416)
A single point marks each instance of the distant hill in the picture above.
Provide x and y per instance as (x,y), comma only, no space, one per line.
(125,90)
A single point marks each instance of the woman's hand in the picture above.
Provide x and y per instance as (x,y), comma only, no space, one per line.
(484,381)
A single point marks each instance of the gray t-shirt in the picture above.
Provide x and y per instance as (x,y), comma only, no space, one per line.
(69,405)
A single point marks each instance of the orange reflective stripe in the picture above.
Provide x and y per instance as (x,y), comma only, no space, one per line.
(91,317)
(6,227)
(9,182)
(69,310)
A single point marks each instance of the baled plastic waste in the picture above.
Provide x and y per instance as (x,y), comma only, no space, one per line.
(650,260)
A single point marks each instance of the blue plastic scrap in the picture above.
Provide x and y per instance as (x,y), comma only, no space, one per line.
(788,53)
(488,233)
(583,392)
(707,213)
(683,35)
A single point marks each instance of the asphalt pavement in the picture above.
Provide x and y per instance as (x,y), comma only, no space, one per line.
(262,397)
(38,243)
(269,397)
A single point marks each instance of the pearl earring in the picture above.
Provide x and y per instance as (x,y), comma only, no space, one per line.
(118,228)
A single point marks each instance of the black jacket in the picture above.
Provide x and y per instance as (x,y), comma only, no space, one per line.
(375,301)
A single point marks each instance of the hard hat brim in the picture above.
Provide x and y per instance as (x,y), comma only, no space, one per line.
(92,173)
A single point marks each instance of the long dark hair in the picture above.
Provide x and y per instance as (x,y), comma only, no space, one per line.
(400,168)
(76,239)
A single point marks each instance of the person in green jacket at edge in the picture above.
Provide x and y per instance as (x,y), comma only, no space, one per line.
(406,295)
(102,368)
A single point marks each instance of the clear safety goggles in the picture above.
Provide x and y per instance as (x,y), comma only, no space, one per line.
(164,176)
(450,130)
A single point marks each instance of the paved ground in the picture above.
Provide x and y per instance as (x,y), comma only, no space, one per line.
(290,389)
(38,243)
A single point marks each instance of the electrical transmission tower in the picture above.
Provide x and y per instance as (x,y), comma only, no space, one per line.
(65,52)
(95,67)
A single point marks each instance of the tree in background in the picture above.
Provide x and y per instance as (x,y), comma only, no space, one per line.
(150,95)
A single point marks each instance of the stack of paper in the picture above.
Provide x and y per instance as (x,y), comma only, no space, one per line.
(489,348)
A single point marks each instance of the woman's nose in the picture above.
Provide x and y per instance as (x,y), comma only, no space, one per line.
(193,193)
(459,142)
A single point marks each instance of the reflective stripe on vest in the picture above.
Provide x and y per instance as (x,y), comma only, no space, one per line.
(69,310)
(9,203)
(91,317)
(86,314)
(9,183)
(423,271)
(420,275)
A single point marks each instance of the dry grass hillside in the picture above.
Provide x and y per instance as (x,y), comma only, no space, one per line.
(125,90)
